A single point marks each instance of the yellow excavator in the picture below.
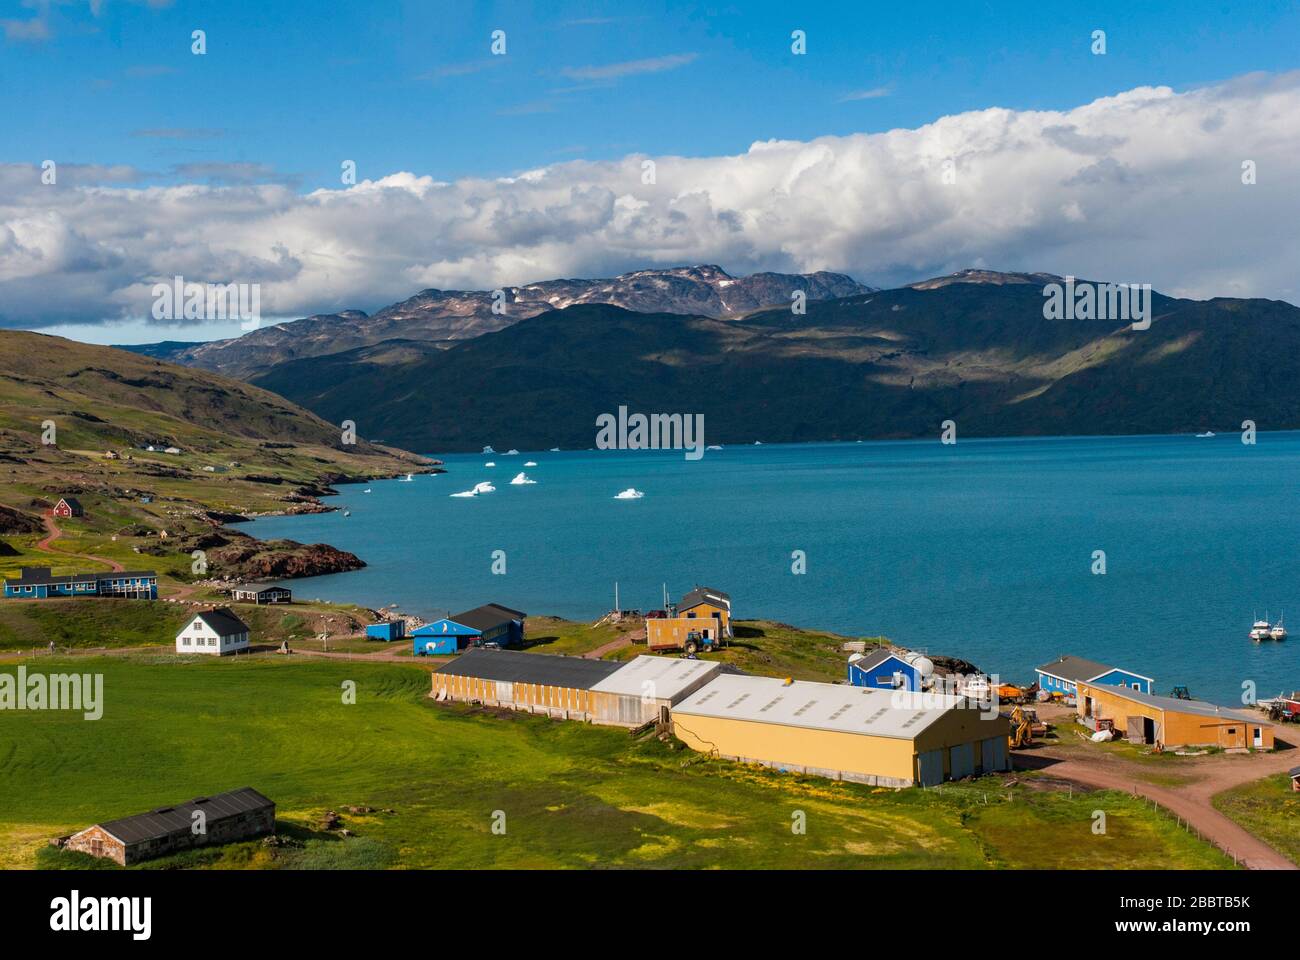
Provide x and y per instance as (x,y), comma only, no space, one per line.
(1024,727)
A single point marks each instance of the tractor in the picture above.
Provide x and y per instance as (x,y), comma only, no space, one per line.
(696,642)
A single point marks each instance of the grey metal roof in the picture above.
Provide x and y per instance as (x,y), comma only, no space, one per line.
(223,621)
(705,595)
(1076,668)
(669,676)
(487,616)
(159,823)
(40,576)
(1201,708)
(876,658)
(514,667)
(260,587)
(820,706)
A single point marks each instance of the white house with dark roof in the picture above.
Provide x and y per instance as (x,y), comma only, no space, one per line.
(215,632)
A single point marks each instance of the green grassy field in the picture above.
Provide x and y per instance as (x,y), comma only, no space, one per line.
(1268,808)
(93,623)
(572,795)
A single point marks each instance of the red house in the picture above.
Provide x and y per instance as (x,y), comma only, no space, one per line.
(68,507)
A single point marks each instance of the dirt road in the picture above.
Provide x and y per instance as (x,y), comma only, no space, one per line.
(1190,801)
(52,533)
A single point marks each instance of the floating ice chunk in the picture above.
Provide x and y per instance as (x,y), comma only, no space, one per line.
(512,452)
(488,449)
(490,463)
(530,463)
(631,493)
(521,479)
(482,487)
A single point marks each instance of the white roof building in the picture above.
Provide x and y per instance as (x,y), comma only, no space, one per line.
(660,678)
(883,737)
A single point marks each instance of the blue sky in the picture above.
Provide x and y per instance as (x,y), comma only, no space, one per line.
(289,86)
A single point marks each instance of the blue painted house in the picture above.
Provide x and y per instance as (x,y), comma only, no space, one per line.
(443,637)
(1064,674)
(488,624)
(889,670)
(36,583)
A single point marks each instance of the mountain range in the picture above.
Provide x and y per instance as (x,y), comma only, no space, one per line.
(445,317)
(973,347)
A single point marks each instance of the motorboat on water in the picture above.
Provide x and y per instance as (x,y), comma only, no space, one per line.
(1277,631)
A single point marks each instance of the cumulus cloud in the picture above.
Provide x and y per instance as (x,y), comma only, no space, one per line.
(1145,186)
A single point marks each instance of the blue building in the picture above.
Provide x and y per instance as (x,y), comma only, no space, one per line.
(889,670)
(488,624)
(388,630)
(443,637)
(36,583)
(1064,674)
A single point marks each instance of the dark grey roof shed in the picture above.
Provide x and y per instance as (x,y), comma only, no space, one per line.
(511,666)
(157,824)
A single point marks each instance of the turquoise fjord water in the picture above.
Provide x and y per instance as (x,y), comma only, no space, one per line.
(982,549)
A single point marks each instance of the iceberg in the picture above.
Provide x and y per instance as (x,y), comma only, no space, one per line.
(490,463)
(512,452)
(530,463)
(521,479)
(631,493)
(488,449)
(482,487)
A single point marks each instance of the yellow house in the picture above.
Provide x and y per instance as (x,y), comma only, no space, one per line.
(703,610)
(892,738)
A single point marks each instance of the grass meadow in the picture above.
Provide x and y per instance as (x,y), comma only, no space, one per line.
(572,795)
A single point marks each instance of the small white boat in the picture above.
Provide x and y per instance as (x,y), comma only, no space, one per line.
(367,490)
(409,478)
(1277,631)
(1207,433)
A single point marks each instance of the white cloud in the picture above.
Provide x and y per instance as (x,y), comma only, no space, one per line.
(630,68)
(1144,186)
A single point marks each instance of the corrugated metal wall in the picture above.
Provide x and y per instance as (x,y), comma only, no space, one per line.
(561,702)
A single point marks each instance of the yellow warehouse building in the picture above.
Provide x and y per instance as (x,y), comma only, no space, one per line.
(891,738)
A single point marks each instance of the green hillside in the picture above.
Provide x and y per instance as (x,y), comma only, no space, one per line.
(891,364)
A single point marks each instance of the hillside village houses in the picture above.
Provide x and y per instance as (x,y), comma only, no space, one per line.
(214,632)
